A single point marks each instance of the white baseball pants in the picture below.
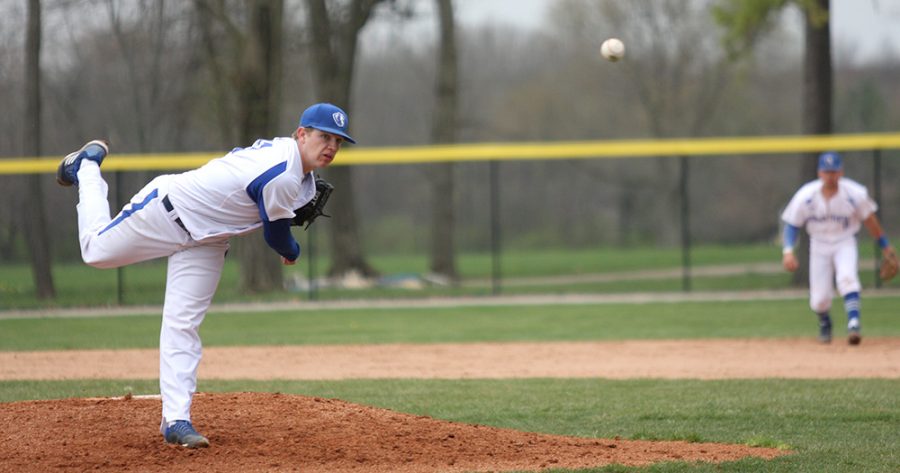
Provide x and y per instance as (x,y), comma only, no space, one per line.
(831,263)
(145,230)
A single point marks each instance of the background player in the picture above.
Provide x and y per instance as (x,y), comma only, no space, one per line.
(831,209)
(189,218)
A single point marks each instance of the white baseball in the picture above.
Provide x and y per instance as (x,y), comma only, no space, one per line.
(612,49)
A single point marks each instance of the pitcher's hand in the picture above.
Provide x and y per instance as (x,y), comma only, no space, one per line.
(789,261)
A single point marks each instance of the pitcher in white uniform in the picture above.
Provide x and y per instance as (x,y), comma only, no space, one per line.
(832,209)
(189,219)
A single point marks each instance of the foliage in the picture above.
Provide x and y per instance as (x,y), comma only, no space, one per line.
(746,20)
(143,85)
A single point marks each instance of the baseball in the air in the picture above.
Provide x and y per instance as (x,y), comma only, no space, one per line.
(612,49)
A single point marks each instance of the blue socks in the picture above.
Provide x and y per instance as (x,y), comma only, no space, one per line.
(851,306)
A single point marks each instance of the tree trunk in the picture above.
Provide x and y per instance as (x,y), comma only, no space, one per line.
(212,49)
(36,234)
(817,115)
(443,254)
(333,49)
(258,107)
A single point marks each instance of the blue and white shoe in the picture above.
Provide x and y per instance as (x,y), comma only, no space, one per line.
(67,173)
(182,433)
(853,336)
(825,331)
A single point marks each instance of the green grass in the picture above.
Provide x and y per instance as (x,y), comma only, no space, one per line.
(556,261)
(80,285)
(831,425)
(778,318)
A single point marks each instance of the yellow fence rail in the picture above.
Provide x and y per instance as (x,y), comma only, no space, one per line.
(509,152)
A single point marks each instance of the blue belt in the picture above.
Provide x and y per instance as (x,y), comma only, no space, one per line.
(170,208)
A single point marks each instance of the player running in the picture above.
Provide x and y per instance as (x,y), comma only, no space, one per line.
(189,218)
(831,210)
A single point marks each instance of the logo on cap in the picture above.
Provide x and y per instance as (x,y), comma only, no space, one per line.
(339,119)
(317,116)
(830,161)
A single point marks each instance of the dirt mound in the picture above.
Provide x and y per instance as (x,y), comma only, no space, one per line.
(255,432)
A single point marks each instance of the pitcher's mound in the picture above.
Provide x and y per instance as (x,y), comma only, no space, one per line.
(264,432)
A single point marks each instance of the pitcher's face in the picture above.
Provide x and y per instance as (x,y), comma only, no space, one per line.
(317,148)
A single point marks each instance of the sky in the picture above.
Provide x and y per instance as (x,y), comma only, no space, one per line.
(861,27)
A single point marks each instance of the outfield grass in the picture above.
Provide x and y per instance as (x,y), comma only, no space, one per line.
(80,285)
(143,284)
(768,318)
(832,425)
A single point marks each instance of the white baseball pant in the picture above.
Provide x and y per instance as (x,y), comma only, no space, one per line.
(145,230)
(831,263)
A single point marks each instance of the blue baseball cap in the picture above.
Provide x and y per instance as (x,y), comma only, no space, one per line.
(830,161)
(327,117)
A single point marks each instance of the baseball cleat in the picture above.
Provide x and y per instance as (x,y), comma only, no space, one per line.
(854,338)
(825,330)
(825,334)
(183,433)
(67,172)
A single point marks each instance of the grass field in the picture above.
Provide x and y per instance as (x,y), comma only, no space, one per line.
(143,284)
(832,425)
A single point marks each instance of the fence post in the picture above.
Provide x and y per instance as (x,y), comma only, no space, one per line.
(311,267)
(685,225)
(876,164)
(120,271)
(494,176)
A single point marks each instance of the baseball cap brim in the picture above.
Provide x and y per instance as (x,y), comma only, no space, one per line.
(335,131)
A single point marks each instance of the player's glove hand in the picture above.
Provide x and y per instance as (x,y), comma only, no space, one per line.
(889,264)
(315,208)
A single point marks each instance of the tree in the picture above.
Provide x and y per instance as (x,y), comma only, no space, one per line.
(257,57)
(218,49)
(36,234)
(258,106)
(333,41)
(259,79)
(746,20)
(443,254)
(677,76)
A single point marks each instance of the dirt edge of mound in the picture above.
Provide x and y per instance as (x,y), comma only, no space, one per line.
(255,432)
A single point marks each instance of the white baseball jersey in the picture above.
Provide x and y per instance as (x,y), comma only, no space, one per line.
(221,198)
(227,196)
(832,225)
(830,220)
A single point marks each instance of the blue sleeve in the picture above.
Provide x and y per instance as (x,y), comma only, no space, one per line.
(278,233)
(790,235)
(255,188)
(278,236)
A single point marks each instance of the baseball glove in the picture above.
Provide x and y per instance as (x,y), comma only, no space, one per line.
(889,265)
(315,208)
